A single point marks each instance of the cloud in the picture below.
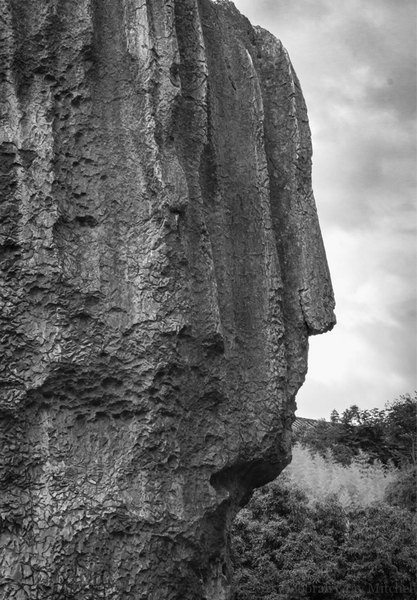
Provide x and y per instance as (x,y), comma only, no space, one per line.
(356,62)
(363,167)
(372,350)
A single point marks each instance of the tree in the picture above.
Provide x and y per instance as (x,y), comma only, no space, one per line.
(379,555)
(338,523)
(401,429)
(282,545)
(385,435)
(286,547)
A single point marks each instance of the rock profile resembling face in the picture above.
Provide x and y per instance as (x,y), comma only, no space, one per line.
(161,270)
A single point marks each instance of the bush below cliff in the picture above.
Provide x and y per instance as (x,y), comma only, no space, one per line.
(290,547)
(329,528)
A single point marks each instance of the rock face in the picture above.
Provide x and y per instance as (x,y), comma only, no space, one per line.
(161,270)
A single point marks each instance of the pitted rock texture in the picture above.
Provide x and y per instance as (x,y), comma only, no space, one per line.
(161,270)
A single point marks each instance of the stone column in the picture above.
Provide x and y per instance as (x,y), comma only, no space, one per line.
(161,270)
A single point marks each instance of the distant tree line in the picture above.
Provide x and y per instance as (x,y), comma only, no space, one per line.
(386,435)
(340,522)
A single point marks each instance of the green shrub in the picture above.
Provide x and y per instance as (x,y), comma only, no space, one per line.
(402,490)
(388,435)
(287,546)
(282,544)
(340,522)
(359,484)
(379,557)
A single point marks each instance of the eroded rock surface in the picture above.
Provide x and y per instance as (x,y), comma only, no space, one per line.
(161,270)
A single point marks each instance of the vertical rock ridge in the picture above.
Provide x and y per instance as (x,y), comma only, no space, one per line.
(161,270)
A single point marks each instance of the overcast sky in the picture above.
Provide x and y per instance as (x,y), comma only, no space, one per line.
(356,61)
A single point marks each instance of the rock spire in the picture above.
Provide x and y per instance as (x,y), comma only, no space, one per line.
(161,270)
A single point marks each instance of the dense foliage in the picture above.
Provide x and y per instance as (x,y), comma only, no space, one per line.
(336,525)
(288,548)
(386,435)
(360,484)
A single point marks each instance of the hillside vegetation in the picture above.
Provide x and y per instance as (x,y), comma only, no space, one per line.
(340,522)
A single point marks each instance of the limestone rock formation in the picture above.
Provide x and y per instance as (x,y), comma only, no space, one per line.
(161,270)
